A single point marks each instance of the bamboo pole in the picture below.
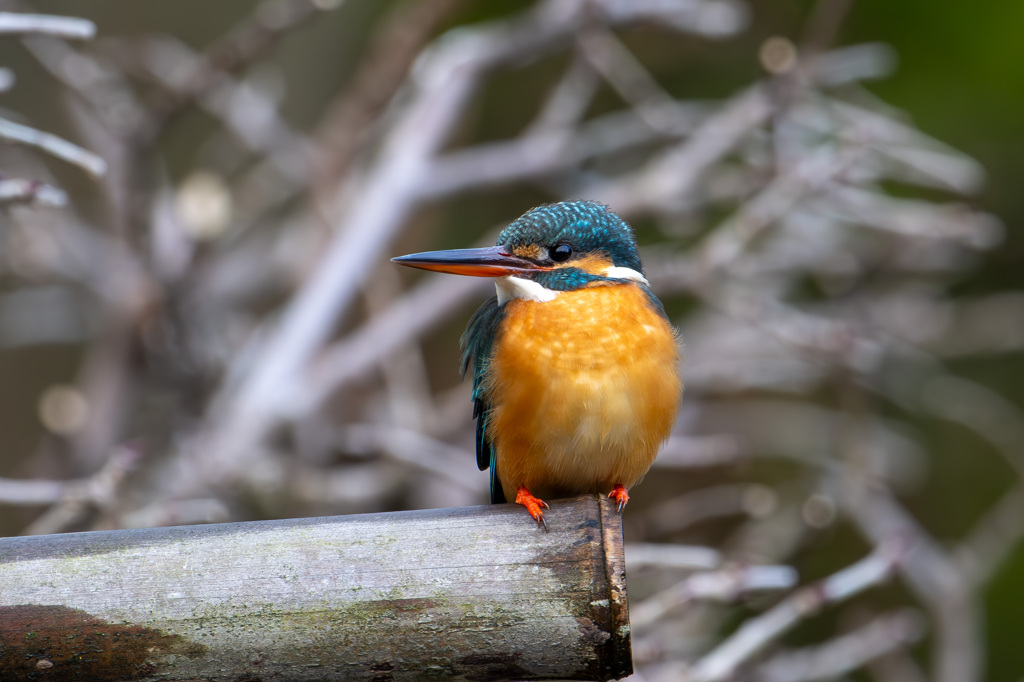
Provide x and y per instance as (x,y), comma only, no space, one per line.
(477,593)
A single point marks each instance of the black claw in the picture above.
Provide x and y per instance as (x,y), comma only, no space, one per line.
(543,522)
(622,505)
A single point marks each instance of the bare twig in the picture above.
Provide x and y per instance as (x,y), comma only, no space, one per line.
(929,572)
(690,452)
(28,492)
(823,25)
(65,27)
(103,88)
(415,449)
(613,60)
(545,150)
(845,653)
(671,556)
(396,44)
(247,41)
(665,181)
(53,145)
(677,513)
(73,498)
(725,585)
(16,191)
(992,538)
(758,632)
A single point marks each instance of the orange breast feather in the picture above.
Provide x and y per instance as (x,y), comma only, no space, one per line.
(584,390)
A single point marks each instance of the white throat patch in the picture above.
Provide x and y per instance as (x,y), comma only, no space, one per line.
(626,273)
(517,287)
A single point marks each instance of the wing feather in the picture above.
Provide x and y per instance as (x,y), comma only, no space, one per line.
(477,346)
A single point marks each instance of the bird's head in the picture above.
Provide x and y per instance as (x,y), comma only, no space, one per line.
(549,249)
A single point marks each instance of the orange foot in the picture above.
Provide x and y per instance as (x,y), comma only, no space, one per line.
(533,505)
(619,493)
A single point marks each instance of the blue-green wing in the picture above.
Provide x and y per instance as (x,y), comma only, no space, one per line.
(477,345)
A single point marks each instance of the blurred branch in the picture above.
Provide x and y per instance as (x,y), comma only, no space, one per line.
(759,631)
(243,110)
(689,452)
(103,88)
(18,191)
(679,512)
(65,27)
(72,499)
(649,554)
(54,146)
(415,449)
(811,174)
(545,150)
(395,46)
(568,101)
(613,60)
(666,179)
(248,40)
(711,18)
(931,160)
(897,666)
(992,538)
(911,218)
(823,25)
(980,409)
(845,653)
(27,492)
(725,585)
(929,572)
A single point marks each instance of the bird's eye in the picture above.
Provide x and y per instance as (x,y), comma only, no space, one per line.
(560,253)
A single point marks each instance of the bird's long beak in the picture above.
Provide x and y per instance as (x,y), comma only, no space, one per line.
(491,261)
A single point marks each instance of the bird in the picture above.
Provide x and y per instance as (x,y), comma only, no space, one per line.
(575,363)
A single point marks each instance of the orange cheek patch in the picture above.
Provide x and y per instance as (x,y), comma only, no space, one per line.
(592,263)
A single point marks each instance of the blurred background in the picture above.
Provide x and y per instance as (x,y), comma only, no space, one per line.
(199,322)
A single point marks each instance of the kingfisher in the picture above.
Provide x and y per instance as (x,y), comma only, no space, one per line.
(575,363)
